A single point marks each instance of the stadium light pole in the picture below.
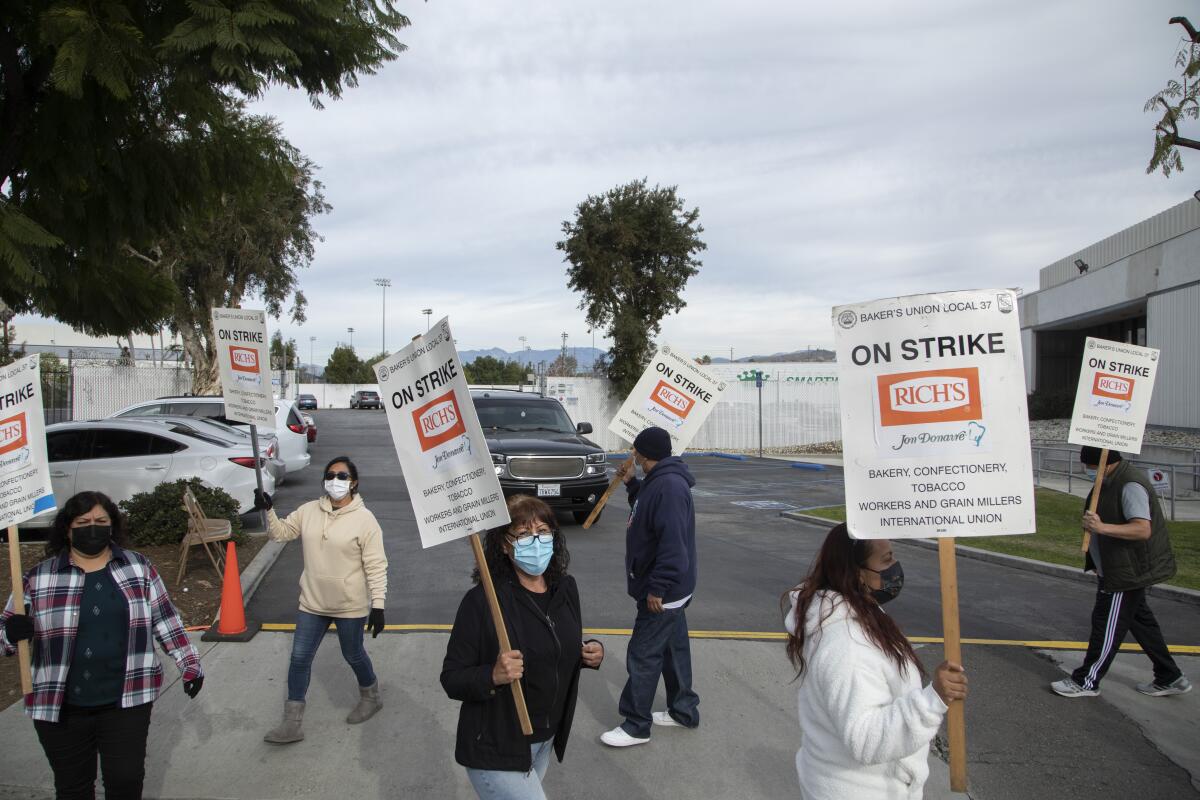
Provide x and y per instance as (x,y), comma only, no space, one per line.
(428,312)
(351,332)
(383,283)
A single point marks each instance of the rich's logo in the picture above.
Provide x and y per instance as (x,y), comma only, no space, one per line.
(672,399)
(13,433)
(1114,386)
(243,359)
(943,395)
(438,421)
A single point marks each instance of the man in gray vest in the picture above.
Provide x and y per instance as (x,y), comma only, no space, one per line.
(1130,551)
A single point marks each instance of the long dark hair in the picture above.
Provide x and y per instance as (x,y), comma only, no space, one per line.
(350,467)
(523,509)
(835,569)
(77,506)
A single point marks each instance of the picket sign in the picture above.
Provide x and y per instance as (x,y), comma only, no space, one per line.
(244,363)
(444,458)
(1112,401)
(935,434)
(674,393)
(25,470)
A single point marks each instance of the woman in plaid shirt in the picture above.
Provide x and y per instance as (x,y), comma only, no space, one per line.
(93,613)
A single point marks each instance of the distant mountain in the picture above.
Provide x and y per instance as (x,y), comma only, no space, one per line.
(815,355)
(585,356)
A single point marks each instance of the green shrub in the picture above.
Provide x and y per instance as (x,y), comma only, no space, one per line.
(1051,405)
(158,516)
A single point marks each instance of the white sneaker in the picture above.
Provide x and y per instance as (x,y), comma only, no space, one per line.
(617,737)
(665,719)
(1069,688)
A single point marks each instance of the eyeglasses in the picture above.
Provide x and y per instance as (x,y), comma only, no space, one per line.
(337,476)
(526,539)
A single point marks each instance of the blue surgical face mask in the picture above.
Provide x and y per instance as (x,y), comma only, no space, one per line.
(1091,473)
(533,555)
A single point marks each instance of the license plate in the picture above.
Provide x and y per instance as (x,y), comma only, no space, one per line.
(549,490)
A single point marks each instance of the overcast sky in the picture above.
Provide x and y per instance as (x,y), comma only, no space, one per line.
(838,152)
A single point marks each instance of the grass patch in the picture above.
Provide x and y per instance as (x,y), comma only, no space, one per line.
(1059,536)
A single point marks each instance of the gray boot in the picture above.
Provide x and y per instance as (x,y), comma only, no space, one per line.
(289,729)
(368,704)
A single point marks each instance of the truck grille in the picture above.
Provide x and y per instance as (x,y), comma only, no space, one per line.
(539,468)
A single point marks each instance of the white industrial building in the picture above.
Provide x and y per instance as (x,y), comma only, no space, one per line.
(1141,285)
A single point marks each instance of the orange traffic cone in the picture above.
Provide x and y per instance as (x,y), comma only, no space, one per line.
(231,624)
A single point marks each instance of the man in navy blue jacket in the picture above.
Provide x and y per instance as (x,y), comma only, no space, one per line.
(660,567)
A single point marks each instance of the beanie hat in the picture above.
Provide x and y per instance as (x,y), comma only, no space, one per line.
(653,443)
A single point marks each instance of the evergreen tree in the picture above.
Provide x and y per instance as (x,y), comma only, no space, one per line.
(110,116)
(631,252)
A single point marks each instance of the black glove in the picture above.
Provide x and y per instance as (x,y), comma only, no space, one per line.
(18,628)
(375,622)
(262,500)
(192,688)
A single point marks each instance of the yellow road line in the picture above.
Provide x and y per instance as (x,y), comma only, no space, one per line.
(772,636)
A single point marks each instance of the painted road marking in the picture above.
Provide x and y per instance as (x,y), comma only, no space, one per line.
(771,636)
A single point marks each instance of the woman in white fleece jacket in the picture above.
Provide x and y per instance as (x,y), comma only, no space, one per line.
(865,719)
(344,583)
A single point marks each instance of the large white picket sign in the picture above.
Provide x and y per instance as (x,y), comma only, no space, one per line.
(1112,400)
(245,362)
(447,467)
(674,393)
(25,489)
(935,427)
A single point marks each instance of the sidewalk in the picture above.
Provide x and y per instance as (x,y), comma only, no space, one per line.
(212,747)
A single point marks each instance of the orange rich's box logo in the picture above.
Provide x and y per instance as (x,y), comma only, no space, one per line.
(1114,386)
(942,395)
(243,359)
(438,421)
(13,433)
(672,399)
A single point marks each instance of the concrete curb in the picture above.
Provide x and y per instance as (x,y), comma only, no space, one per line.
(1190,596)
(259,566)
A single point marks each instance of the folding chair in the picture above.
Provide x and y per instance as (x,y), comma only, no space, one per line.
(202,532)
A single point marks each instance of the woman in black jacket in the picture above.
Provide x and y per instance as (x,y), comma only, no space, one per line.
(528,560)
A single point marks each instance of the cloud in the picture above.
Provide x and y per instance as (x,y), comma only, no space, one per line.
(837,152)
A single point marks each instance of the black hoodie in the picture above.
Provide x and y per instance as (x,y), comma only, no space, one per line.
(660,542)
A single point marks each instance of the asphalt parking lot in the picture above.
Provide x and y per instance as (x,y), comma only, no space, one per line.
(1023,742)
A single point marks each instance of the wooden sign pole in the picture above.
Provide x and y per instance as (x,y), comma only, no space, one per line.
(956,724)
(18,600)
(1103,465)
(616,481)
(485,577)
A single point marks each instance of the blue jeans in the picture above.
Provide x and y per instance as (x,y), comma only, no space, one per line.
(499,784)
(659,646)
(310,628)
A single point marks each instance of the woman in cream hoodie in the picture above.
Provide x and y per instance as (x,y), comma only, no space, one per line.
(344,583)
(865,719)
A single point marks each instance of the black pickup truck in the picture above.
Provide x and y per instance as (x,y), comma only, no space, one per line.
(536,450)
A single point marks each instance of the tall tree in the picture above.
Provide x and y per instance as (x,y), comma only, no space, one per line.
(1179,101)
(489,370)
(109,112)
(283,354)
(631,252)
(251,240)
(344,366)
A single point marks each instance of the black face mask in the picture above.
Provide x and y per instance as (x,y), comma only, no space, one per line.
(893,582)
(91,539)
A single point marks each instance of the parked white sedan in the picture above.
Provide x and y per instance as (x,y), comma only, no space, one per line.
(122,457)
(290,430)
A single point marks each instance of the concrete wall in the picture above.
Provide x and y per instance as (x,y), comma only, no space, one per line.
(1173,326)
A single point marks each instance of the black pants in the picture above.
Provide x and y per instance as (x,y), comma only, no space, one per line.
(118,735)
(1114,615)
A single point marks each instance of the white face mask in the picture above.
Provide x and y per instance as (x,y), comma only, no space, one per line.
(337,490)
